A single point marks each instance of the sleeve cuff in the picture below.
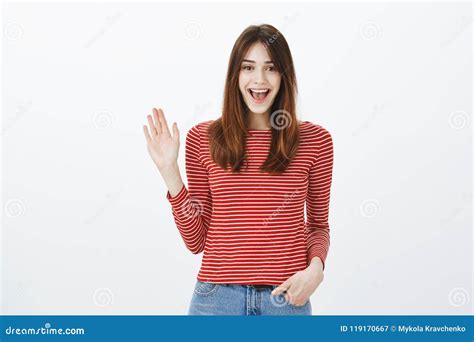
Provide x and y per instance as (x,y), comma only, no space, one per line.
(180,196)
(314,254)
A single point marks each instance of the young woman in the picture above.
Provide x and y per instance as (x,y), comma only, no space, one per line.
(250,173)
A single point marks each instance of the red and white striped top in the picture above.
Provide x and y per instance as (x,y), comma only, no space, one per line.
(251,225)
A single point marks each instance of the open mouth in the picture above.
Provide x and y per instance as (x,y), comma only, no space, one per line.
(259,95)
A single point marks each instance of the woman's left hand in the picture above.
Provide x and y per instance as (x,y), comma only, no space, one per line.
(301,285)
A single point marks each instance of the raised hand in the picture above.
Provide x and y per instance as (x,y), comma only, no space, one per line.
(162,147)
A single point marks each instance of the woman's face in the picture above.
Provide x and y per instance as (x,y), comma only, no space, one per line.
(259,81)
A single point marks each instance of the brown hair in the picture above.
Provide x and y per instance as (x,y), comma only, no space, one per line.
(227,134)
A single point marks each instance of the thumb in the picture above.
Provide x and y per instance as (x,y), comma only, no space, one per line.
(175,131)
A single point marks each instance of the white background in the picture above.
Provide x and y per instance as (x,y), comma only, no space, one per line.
(86,227)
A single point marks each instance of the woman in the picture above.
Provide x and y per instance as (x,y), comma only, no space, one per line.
(250,173)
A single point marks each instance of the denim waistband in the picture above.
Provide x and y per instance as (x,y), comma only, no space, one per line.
(256,286)
(262,286)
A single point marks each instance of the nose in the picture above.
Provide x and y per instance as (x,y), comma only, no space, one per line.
(259,76)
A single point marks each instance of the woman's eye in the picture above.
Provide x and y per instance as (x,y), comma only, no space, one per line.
(249,67)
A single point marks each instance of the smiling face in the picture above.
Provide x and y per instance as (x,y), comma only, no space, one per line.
(259,81)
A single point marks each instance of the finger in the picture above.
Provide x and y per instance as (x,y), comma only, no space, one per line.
(164,124)
(157,121)
(175,131)
(152,125)
(147,135)
(288,297)
(280,289)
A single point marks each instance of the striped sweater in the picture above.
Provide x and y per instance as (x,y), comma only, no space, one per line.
(251,225)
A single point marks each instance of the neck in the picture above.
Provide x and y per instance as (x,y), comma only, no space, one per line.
(259,121)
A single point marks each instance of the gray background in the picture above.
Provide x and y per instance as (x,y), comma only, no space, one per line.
(86,227)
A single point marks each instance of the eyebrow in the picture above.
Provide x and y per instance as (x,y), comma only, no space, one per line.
(251,61)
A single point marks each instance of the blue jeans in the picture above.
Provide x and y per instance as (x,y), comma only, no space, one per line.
(246,300)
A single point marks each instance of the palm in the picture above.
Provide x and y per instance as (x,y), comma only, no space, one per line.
(163,150)
(162,146)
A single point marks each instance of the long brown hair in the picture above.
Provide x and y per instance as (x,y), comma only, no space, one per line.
(227,134)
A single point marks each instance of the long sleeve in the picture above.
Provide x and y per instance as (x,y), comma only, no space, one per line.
(192,206)
(318,196)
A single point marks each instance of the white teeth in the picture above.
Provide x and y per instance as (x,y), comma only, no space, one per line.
(259,90)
